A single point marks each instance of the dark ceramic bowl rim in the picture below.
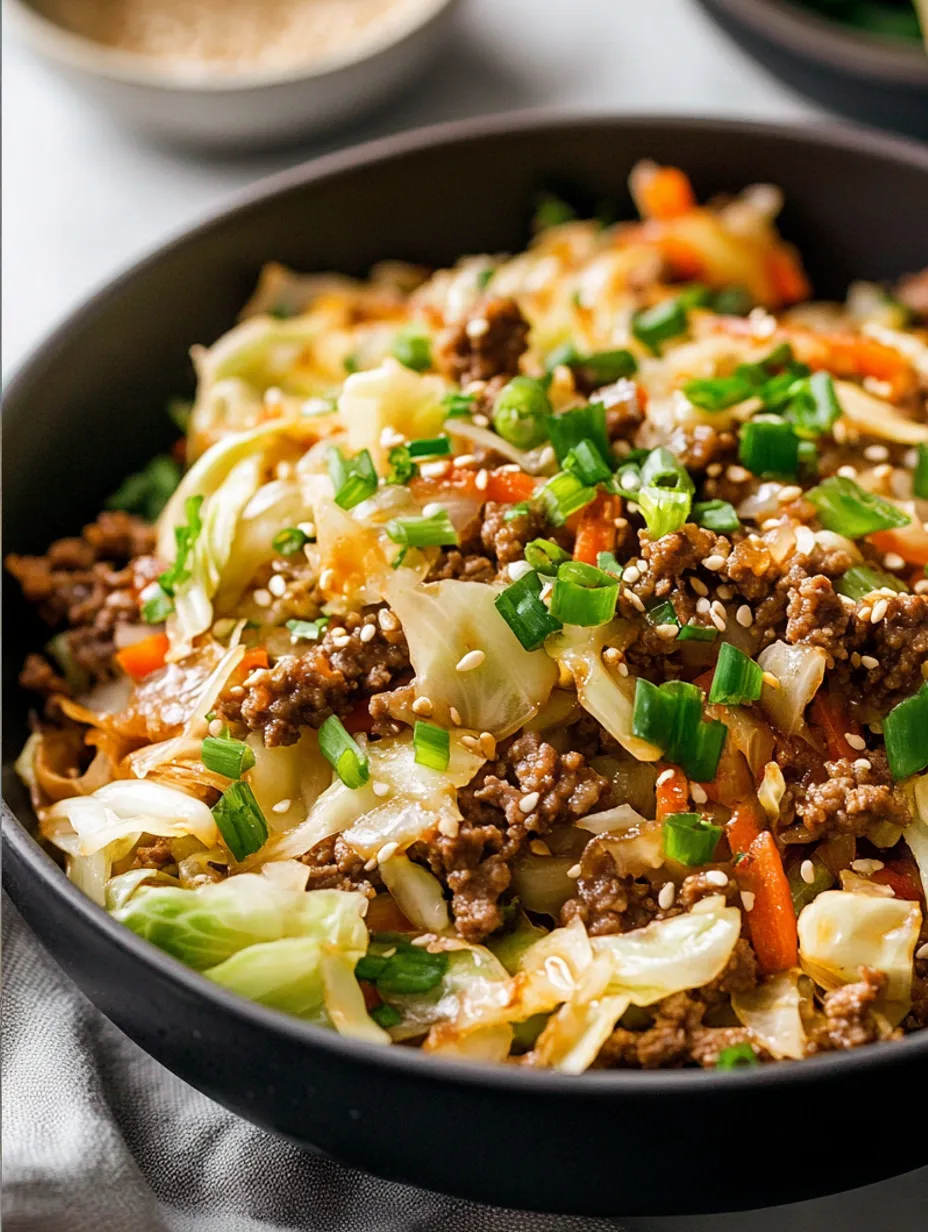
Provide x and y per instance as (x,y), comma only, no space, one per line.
(809,36)
(412,1061)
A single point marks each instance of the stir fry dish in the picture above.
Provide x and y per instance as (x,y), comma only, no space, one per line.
(524,661)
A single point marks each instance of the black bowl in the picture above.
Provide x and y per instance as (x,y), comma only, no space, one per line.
(89,407)
(880,81)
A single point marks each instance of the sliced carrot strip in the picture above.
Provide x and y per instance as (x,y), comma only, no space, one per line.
(662,192)
(673,792)
(772,917)
(596,529)
(142,658)
(254,658)
(829,715)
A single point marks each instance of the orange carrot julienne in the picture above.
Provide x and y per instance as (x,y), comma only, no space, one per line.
(254,658)
(510,487)
(673,792)
(663,192)
(142,658)
(829,716)
(504,487)
(684,259)
(596,528)
(772,916)
(743,827)
(787,275)
(906,542)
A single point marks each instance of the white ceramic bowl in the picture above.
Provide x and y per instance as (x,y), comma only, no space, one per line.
(244,107)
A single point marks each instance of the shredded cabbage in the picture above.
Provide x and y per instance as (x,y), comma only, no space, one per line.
(800,671)
(773,1013)
(417,893)
(390,397)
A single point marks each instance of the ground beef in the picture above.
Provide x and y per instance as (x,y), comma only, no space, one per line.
(470,352)
(855,795)
(677,1037)
(624,412)
(465,566)
(703,445)
(505,540)
(331,677)
(606,903)
(333,865)
(849,1018)
(474,863)
(90,585)
(38,676)
(156,855)
(769,586)
(899,644)
(668,558)
(817,617)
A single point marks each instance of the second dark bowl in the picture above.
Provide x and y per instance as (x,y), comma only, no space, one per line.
(88,408)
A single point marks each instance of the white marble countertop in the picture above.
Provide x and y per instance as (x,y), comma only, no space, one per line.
(82,198)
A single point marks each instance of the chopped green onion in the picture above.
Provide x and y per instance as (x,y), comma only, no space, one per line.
(863,580)
(848,509)
(670,717)
(407,969)
(521,607)
(158,606)
(413,349)
(581,423)
(662,469)
(700,758)
(185,536)
(663,509)
(550,211)
(402,467)
(564,495)
(343,753)
(423,532)
(514,512)
(309,630)
(240,820)
(432,745)
(769,447)
(814,407)
(733,301)
(661,612)
(587,463)
(803,892)
(597,369)
(608,563)
(281,311)
(386,1016)
(520,412)
(544,556)
(697,633)
(483,277)
(430,447)
(289,541)
(653,326)
(717,515)
(147,491)
(350,364)
(225,756)
(719,392)
(905,730)
(737,678)
(179,411)
(354,479)
(690,839)
(457,404)
(920,478)
(738,1056)
(583,595)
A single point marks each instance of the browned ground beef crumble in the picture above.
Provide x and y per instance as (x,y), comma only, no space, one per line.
(488,344)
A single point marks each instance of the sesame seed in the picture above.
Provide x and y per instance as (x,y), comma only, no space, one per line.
(847,472)
(714,562)
(473,658)
(434,470)
(386,851)
(389,436)
(518,569)
(716,877)
(737,474)
(869,662)
(718,608)
(487,745)
(432,509)
(863,763)
(529,802)
(237,691)
(370,865)
(422,706)
(547,457)
(867,866)
(623,669)
(629,481)
(277,586)
(368,633)
(482,421)
(699,796)
(634,600)
(806,542)
(807,871)
(463,459)
(876,453)
(856,742)
(882,472)
(262,597)
(630,574)
(455,715)
(342,642)
(699,586)
(921,587)
(256,676)
(471,743)
(864,613)
(308,529)
(482,480)
(664,777)
(667,632)
(574,871)
(771,680)
(620,523)
(714,469)
(215,727)
(880,608)
(922,951)
(612,656)
(387,620)
(510,468)
(539,847)
(326,578)
(281,806)
(747,900)
(718,620)
(477,327)
(790,493)
(744,616)
(449,827)
(724,592)
(380,788)
(703,606)
(665,895)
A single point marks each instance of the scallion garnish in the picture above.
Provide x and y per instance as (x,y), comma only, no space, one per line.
(587,463)
(733,301)
(430,447)
(609,564)
(848,509)
(690,839)
(581,423)
(670,717)
(814,407)
(405,969)
(457,404)
(343,753)
(661,469)
(737,678)
(653,326)
(289,541)
(550,211)
(661,612)
(697,633)
(520,510)
(905,730)
(432,745)
(627,479)
(717,515)
(147,491)
(240,820)
(386,1016)
(521,607)
(738,1056)
(863,580)
(413,349)
(483,277)
(354,479)
(520,412)
(920,477)
(435,530)
(158,606)
(597,369)
(564,495)
(544,556)
(583,595)
(308,630)
(179,411)
(350,364)
(663,510)
(226,756)
(717,393)
(769,447)
(402,467)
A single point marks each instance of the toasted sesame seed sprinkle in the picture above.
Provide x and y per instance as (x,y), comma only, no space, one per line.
(922,951)
(281,806)
(714,469)
(380,788)
(422,706)
(529,802)
(864,613)
(482,480)
(326,578)
(386,851)
(539,847)
(368,633)
(630,575)
(215,727)
(547,457)
(791,492)
(771,680)
(876,453)
(699,586)
(620,523)
(738,474)
(855,741)
(389,436)
(724,592)
(869,662)
(432,509)
(342,642)
(574,871)
(455,715)
(277,586)
(664,777)
(434,470)
(665,895)
(867,866)
(471,743)
(703,606)
(463,459)
(634,600)
(477,327)
(370,865)
(807,871)
(747,900)
(449,827)
(387,620)
(623,669)
(473,658)
(481,421)
(487,745)
(892,560)
(718,619)
(699,796)
(921,586)
(863,763)
(744,616)
(612,656)
(262,597)
(518,569)
(882,472)
(847,472)
(880,608)
(714,562)
(667,632)
(257,675)
(716,877)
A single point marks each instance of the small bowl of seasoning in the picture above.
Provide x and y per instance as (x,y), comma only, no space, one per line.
(227,73)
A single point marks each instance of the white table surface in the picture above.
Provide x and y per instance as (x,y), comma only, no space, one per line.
(82,198)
